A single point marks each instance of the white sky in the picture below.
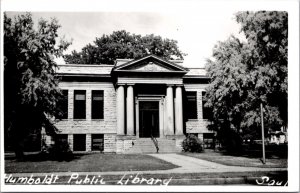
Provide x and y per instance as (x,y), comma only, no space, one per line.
(196,25)
(196,33)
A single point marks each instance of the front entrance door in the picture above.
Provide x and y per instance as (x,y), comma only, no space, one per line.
(149,119)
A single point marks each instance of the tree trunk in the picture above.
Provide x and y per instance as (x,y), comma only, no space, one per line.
(19,149)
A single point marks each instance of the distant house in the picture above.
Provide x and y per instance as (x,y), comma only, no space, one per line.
(130,106)
(278,137)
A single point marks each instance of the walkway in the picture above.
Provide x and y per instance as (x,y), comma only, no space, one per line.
(195,165)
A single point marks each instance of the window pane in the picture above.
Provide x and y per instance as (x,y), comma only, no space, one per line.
(191,105)
(79,104)
(207,112)
(97,142)
(63,104)
(80,97)
(97,104)
(79,142)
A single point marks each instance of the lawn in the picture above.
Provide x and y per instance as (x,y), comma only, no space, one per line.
(239,160)
(89,163)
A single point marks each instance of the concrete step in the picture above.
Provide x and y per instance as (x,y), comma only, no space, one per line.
(146,145)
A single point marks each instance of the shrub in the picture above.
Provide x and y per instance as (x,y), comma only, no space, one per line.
(192,144)
(60,151)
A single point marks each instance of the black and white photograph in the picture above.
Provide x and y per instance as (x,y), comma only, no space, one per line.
(149,96)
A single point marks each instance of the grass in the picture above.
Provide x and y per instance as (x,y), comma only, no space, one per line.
(243,161)
(88,163)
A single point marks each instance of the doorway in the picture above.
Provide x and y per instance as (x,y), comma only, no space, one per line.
(149,119)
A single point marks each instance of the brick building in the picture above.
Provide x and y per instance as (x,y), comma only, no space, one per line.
(132,105)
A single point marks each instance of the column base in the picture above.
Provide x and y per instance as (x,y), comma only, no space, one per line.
(180,136)
(125,137)
(170,136)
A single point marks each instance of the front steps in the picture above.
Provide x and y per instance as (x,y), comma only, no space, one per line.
(146,145)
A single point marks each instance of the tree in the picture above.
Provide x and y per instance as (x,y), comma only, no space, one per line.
(30,87)
(122,44)
(245,74)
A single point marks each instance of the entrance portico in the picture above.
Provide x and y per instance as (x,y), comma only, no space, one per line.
(154,112)
(169,110)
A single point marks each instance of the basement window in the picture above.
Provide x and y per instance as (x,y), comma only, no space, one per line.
(97,142)
(61,138)
(79,142)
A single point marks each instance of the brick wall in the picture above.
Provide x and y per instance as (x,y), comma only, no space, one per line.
(106,126)
(198,125)
(109,143)
(88,142)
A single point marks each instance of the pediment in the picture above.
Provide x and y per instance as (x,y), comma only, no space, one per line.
(150,64)
(150,67)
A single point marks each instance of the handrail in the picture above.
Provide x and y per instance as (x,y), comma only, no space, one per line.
(155,143)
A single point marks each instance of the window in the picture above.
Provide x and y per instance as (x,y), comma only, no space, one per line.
(191,105)
(97,104)
(79,104)
(207,112)
(79,142)
(97,142)
(63,104)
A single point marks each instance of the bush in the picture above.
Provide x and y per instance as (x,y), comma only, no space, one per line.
(60,151)
(192,144)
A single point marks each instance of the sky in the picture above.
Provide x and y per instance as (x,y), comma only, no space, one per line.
(196,32)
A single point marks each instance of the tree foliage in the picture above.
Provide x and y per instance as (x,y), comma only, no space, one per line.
(30,87)
(245,74)
(122,44)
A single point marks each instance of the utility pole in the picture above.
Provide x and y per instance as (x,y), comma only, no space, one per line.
(263,133)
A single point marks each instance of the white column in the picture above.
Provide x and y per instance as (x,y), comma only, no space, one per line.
(88,104)
(120,110)
(130,110)
(170,111)
(178,111)
(70,104)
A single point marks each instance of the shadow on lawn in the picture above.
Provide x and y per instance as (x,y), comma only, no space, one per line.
(40,157)
(255,151)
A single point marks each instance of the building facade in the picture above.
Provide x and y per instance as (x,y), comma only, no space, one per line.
(133,106)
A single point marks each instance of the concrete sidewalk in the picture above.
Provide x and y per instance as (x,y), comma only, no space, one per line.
(195,165)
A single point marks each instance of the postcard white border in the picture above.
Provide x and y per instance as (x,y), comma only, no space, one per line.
(180,6)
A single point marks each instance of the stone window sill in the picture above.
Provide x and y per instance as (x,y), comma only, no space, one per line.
(193,120)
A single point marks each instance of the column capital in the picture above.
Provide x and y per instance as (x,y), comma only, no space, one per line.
(120,84)
(179,85)
(170,85)
(130,84)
